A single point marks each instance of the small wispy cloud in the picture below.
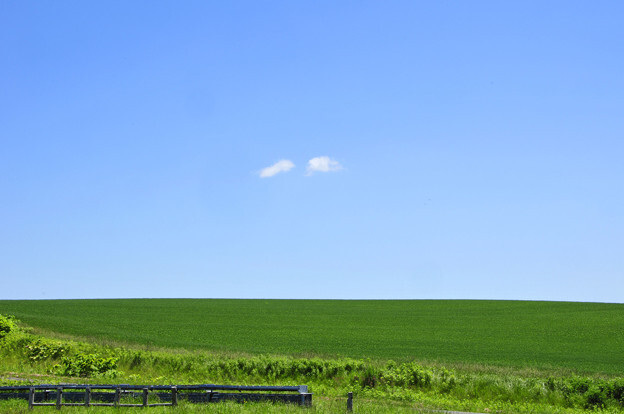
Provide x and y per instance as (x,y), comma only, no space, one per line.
(278,167)
(322,164)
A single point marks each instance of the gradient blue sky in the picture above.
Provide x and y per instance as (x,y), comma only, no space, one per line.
(477,149)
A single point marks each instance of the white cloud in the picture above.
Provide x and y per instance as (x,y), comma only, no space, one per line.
(322,164)
(278,167)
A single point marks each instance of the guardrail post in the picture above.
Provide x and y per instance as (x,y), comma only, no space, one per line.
(350,402)
(88,397)
(174,396)
(145,397)
(117,396)
(31,398)
(59,398)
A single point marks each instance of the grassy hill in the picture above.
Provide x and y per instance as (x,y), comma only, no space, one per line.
(582,337)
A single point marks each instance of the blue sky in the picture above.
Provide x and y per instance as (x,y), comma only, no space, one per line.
(419,149)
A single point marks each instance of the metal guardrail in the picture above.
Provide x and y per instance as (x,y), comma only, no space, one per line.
(60,395)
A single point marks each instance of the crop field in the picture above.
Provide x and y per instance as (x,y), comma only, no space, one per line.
(581,337)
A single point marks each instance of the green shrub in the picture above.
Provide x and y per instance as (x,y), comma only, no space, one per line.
(370,377)
(580,385)
(615,390)
(550,384)
(41,349)
(406,375)
(7,324)
(446,379)
(84,365)
(594,398)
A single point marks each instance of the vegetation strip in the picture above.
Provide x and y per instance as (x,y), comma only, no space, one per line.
(375,382)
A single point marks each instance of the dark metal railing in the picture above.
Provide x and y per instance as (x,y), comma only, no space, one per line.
(168,395)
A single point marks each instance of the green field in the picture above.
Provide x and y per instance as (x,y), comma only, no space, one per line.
(582,337)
